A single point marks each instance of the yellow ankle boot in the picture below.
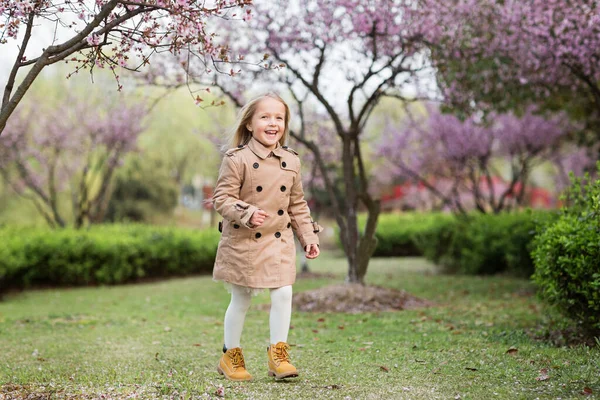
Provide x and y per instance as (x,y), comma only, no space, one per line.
(232,365)
(279,361)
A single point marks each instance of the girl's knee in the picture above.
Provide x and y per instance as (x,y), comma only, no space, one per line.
(282,294)
(240,299)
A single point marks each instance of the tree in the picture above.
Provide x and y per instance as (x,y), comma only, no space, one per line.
(142,189)
(504,55)
(79,143)
(459,161)
(342,57)
(108,33)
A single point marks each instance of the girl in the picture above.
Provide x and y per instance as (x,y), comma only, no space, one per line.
(259,194)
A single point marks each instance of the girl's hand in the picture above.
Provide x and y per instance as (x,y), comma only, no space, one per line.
(312,251)
(258,218)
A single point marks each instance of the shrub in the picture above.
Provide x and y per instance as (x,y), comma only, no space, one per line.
(396,233)
(107,254)
(141,189)
(485,244)
(567,256)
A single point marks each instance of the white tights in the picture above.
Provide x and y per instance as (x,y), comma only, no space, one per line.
(279,318)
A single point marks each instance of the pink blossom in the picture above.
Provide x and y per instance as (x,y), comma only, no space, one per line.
(93,40)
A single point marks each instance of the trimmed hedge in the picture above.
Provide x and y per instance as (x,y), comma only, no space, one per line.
(567,257)
(105,254)
(396,233)
(485,244)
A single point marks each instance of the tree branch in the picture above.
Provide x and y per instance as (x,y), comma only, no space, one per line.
(18,62)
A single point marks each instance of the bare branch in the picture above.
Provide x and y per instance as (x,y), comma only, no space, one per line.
(18,63)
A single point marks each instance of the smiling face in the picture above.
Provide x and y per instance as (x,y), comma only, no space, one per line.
(268,122)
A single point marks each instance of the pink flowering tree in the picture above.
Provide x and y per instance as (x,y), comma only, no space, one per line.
(459,162)
(504,55)
(107,33)
(74,148)
(339,58)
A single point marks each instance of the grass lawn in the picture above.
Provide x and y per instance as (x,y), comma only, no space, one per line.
(163,340)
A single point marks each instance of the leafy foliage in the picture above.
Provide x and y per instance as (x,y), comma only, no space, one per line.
(396,233)
(141,189)
(107,254)
(484,244)
(567,256)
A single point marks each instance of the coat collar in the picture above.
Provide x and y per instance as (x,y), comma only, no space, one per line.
(261,151)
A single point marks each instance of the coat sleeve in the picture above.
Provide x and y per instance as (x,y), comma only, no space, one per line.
(226,198)
(306,230)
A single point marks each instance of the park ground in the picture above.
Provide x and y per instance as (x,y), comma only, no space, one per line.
(474,338)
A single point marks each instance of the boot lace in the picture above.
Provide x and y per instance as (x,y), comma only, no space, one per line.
(280,353)
(237,359)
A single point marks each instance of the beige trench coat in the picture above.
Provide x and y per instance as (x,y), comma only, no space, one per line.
(253,177)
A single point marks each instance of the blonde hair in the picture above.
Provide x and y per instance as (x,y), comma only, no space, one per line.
(241,135)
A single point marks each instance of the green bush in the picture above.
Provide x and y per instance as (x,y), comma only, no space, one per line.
(396,233)
(106,254)
(484,244)
(141,189)
(567,256)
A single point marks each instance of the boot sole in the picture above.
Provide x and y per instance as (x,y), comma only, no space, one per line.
(221,372)
(283,376)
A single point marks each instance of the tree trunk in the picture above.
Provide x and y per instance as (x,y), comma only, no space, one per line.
(368,241)
(351,233)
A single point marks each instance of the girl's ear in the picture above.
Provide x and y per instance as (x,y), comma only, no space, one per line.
(249,128)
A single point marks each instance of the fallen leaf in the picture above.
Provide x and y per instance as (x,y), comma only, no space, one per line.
(512,351)
(321,320)
(587,391)
(315,331)
(341,327)
(197,344)
(384,368)
(471,369)
(543,375)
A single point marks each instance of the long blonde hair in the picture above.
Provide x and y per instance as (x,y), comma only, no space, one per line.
(241,135)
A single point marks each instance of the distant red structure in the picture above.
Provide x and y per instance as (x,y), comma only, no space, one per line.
(416,196)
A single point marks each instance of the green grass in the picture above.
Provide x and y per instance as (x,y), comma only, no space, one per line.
(163,340)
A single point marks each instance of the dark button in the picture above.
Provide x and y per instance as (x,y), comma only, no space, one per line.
(284,147)
(240,146)
(289,225)
(255,165)
(277,235)
(259,188)
(236,226)
(283,164)
(280,212)
(258,235)
(282,188)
